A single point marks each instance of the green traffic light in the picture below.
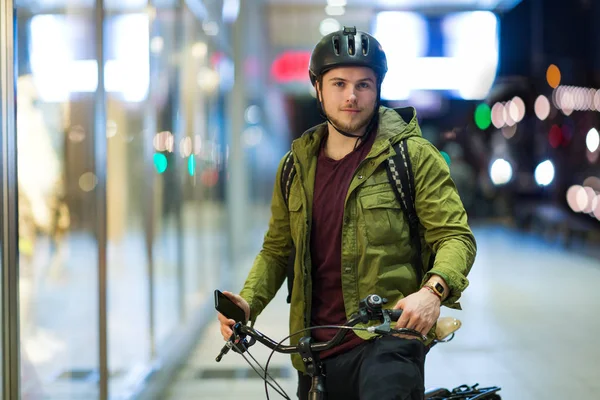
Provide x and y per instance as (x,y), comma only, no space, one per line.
(483,116)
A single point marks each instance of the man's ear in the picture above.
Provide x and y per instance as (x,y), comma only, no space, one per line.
(318,90)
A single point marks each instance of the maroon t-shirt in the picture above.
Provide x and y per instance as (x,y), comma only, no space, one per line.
(331,186)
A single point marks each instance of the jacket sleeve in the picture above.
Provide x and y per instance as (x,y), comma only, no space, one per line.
(444,219)
(269,269)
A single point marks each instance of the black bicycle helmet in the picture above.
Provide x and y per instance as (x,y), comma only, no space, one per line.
(347,47)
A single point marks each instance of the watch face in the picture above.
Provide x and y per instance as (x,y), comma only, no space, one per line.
(439,287)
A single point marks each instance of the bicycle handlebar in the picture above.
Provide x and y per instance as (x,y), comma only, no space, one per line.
(370,309)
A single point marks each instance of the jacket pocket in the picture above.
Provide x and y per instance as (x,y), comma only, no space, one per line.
(383,218)
(296,216)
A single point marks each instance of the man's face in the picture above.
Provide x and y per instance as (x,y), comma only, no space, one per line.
(349,95)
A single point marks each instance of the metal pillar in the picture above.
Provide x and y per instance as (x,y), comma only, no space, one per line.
(9,237)
(100,149)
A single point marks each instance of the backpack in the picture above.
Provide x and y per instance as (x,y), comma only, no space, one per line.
(399,171)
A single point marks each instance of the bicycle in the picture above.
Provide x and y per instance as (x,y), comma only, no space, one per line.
(370,309)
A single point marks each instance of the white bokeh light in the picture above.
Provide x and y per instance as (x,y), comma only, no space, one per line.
(498,115)
(592,140)
(329,25)
(517,109)
(542,107)
(577,198)
(544,173)
(501,172)
(590,195)
(597,209)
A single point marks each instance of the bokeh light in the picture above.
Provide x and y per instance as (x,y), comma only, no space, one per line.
(542,107)
(191,165)
(593,182)
(590,196)
(160,162)
(185,147)
(498,115)
(509,131)
(329,25)
(577,198)
(483,116)
(592,140)
(555,136)
(446,157)
(508,119)
(88,181)
(597,209)
(501,172)
(163,141)
(553,76)
(252,114)
(544,173)
(517,109)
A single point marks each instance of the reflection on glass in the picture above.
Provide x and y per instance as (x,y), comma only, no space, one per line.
(201,152)
(165,218)
(58,250)
(127,258)
(167,246)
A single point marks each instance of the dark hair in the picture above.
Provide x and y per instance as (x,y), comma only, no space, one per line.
(347,47)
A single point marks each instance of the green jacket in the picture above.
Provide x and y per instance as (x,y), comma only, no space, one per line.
(376,245)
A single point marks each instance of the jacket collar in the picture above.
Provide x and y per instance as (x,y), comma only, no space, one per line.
(394,125)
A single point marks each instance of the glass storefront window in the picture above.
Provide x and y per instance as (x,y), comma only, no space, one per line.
(203,161)
(167,247)
(127,72)
(58,257)
(166,152)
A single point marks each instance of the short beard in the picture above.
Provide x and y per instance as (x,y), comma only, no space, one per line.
(351,127)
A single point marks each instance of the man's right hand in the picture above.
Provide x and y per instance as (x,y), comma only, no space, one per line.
(227,323)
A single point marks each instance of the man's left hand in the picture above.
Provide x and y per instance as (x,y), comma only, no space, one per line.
(420,311)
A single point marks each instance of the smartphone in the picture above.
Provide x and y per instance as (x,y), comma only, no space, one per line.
(228,308)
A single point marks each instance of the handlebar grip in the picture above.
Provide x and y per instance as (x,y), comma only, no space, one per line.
(395,314)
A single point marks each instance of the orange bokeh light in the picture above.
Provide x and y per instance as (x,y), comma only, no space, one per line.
(553,76)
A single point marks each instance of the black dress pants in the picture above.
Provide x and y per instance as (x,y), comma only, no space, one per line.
(386,368)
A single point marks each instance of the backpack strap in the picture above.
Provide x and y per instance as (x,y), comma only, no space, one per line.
(288,172)
(399,170)
(287,176)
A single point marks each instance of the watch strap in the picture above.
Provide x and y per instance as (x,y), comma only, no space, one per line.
(436,288)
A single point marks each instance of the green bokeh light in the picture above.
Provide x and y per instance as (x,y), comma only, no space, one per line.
(483,116)
(160,162)
(446,157)
(191,165)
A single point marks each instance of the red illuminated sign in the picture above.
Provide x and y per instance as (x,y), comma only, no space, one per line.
(291,66)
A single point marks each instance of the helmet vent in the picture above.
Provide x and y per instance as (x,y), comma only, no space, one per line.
(364,41)
(351,45)
(336,45)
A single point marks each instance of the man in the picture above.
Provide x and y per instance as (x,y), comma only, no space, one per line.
(350,234)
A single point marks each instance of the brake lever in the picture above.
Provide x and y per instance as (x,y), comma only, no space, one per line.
(386,328)
(241,343)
